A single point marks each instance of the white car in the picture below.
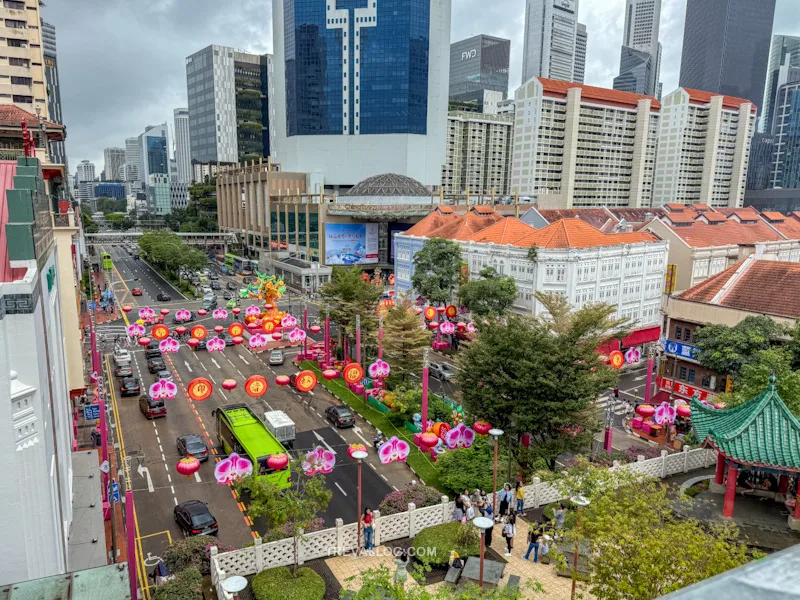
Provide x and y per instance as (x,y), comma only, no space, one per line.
(276,357)
(443,371)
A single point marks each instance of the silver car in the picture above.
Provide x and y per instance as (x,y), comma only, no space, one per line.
(443,371)
(276,357)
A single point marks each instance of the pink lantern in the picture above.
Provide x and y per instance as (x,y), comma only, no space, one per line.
(169,345)
(319,460)
(193,342)
(482,427)
(219,328)
(126,309)
(645,410)
(441,309)
(268,306)
(229,384)
(180,330)
(253,326)
(393,450)
(428,439)
(433,325)
(220,314)
(282,380)
(315,329)
(216,344)
(357,447)
(188,466)
(237,339)
(276,462)
(459,436)
(470,327)
(276,335)
(684,411)
(236,310)
(230,469)
(719,405)
(182,314)
(165,311)
(202,312)
(144,341)
(330,374)
(461,326)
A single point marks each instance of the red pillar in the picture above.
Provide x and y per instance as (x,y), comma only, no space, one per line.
(783,484)
(730,491)
(797,506)
(719,478)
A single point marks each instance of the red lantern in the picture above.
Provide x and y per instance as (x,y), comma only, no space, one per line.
(252,326)
(282,380)
(306,381)
(461,326)
(440,309)
(219,328)
(127,309)
(193,342)
(229,384)
(268,326)
(355,448)
(482,427)
(430,312)
(236,310)
(330,374)
(180,330)
(433,325)
(684,411)
(202,312)
(353,373)
(160,332)
(276,462)
(451,312)
(645,410)
(255,386)
(144,341)
(428,439)
(719,405)
(235,329)
(199,389)
(238,339)
(165,311)
(315,329)
(188,466)
(268,306)
(277,335)
(616,359)
(199,332)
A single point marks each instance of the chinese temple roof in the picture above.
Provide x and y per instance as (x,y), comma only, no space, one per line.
(761,432)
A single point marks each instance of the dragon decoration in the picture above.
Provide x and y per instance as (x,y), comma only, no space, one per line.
(269,289)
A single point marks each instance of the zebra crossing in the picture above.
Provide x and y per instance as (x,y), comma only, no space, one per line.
(619,407)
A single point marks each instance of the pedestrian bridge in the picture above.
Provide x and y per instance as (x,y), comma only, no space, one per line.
(132,237)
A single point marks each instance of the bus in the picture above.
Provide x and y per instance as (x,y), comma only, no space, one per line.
(239,430)
(107,264)
(229,263)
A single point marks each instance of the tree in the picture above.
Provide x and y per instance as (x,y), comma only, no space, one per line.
(119,222)
(166,250)
(469,468)
(89,225)
(727,349)
(492,294)
(404,340)
(349,295)
(437,267)
(294,509)
(755,379)
(539,376)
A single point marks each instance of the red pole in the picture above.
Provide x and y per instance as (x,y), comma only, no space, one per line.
(494,480)
(327,336)
(719,477)
(608,440)
(358,551)
(358,339)
(131,535)
(730,491)
(380,338)
(648,386)
(483,546)
(305,328)
(100,396)
(425,372)
(797,506)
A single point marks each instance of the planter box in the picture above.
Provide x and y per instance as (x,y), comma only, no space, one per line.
(378,405)
(413,428)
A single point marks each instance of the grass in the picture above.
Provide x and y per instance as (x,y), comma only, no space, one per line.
(421,463)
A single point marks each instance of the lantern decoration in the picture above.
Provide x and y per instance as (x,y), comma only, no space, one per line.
(144,341)
(645,410)
(268,326)
(146,313)
(236,310)
(282,380)
(182,314)
(447,328)
(256,386)
(252,311)
(199,389)
(451,312)
(353,373)
(319,460)
(188,466)
(665,414)
(379,369)
(288,321)
(616,359)
(268,306)
(180,330)
(215,344)
(193,343)
(220,314)
(163,389)
(459,436)
(229,384)
(439,428)
(164,311)
(470,327)
(355,448)
(330,374)
(394,449)
(440,309)
(306,381)
(482,427)
(169,345)
(461,326)
(199,332)
(202,312)
(252,325)
(433,325)
(684,411)
(160,332)
(135,330)
(428,439)
(296,335)
(391,279)
(417,310)
(230,469)
(633,355)
(719,405)
(218,329)
(258,341)
(237,339)
(277,335)
(126,309)
(430,313)
(315,329)
(235,329)
(278,461)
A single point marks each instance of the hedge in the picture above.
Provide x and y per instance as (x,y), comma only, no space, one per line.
(420,495)
(192,553)
(432,545)
(187,585)
(280,584)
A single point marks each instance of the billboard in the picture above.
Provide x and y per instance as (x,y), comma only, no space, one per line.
(351,243)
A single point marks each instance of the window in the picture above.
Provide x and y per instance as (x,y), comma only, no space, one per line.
(678,333)
(22,99)
(15,4)
(17,43)
(691,375)
(549,273)
(706,381)
(14,24)
(21,80)
(18,62)
(561,273)
(682,374)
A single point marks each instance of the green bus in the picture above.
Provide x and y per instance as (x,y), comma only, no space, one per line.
(107,264)
(229,262)
(239,430)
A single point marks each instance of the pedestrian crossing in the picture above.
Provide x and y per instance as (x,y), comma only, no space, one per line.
(619,407)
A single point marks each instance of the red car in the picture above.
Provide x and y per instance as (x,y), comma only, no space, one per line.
(136,291)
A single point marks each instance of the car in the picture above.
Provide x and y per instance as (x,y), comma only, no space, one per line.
(129,386)
(177,321)
(231,286)
(293,380)
(276,357)
(152,353)
(152,407)
(215,285)
(154,365)
(194,518)
(247,280)
(340,416)
(232,303)
(135,257)
(227,295)
(227,337)
(162,297)
(213,277)
(165,374)
(192,445)
(136,291)
(122,357)
(123,371)
(443,371)
(195,282)
(201,345)
(206,290)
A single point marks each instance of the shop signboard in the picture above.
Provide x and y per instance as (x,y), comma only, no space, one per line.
(682,389)
(351,243)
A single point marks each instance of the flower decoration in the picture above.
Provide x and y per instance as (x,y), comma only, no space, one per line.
(633,355)
(252,311)
(182,314)
(379,368)
(319,460)
(470,327)
(163,389)
(146,313)
(220,314)
(135,330)
(230,469)
(459,436)
(393,450)
(447,328)
(258,340)
(288,321)
(665,414)
(216,344)
(296,335)
(169,344)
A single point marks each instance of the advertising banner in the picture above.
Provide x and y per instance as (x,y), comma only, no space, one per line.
(351,243)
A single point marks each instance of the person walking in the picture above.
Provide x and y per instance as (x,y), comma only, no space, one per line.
(469,511)
(366,523)
(509,530)
(519,494)
(559,516)
(458,513)
(535,533)
(505,499)
(489,514)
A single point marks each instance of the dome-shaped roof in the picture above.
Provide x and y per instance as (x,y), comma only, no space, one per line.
(388,184)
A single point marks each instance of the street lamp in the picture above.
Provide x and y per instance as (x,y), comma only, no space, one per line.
(495,433)
(234,585)
(482,523)
(359,456)
(580,502)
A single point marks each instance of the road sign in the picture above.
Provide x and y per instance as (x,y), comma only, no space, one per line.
(115,491)
(91,412)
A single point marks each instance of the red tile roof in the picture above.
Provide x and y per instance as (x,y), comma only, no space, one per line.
(674,206)
(504,232)
(790,228)
(712,217)
(708,288)
(700,97)
(773,216)
(596,217)
(553,87)
(795,214)
(8,169)
(700,207)
(482,209)
(434,220)
(575,233)
(701,235)
(638,216)
(465,226)
(13,116)
(681,217)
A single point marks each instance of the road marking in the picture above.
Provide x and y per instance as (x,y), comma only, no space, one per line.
(384,477)
(211,377)
(203,365)
(336,483)
(639,378)
(395,489)
(172,487)
(321,439)
(197,477)
(145,472)
(176,500)
(216,364)
(244,360)
(186,362)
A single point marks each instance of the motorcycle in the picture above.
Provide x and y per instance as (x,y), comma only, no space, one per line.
(378,440)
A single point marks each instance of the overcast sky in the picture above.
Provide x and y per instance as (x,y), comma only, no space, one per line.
(122,64)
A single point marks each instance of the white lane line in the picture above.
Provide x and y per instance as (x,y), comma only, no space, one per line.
(176,500)
(230,361)
(205,368)
(384,477)
(223,395)
(173,489)
(169,477)
(395,489)
(216,364)
(336,483)
(166,468)
(211,377)
(163,457)
(197,477)
(244,360)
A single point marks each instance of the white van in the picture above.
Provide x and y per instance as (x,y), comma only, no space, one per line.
(122,357)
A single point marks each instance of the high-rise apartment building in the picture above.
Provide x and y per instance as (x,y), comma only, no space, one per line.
(577,145)
(479,71)
(478,156)
(726,45)
(22,71)
(581,40)
(159,194)
(84,178)
(133,159)
(783,67)
(759,167)
(703,149)
(388,114)
(551,30)
(153,144)
(640,60)
(57,149)
(785,172)
(114,159)
(183,158)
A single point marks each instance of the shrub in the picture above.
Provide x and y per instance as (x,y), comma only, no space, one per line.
(187,585)
(697,488)
(420,495)
(648,452)
(470,468)
(192,553)
(280,584)
(432,545)
(570,518)
(285,530)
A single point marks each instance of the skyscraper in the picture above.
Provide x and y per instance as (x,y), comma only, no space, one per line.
(479,71)
(182,147)
(551,31)
(153,144)
(133,160)
(59,155)
(640,59)
(726,47)
(114,159)
(759,167)
(581,40)
(361,91)
(22,69)
(786,136)
(84,180)
(784,55)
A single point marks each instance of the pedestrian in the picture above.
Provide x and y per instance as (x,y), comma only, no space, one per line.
(489,514)
(476,501)
(519,494)
(458,513)
(505,499)
(534,539)
(509,530)
(559,516)
(366,522)
(616,393)
(469,511)
(485,502)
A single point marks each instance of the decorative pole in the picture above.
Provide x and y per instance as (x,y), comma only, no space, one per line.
(439,328)
(425,372)
(131,535)
(327,335)
(98,387)
(358,339)
(495,433)
(651,356)
(609,435)
(359,455)
(305,328)
(380,336)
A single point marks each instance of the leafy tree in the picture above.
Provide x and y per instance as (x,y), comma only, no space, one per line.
(404,340)
(111,205)
(755,379)
(492,294)
(89,225)
(295,508)
(119,222)
(166,250)
(727,349)
(437,267)
(539,376)
(349,295)
(192,553)
(470,468)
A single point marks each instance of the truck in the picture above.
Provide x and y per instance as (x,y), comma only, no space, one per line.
(281,426)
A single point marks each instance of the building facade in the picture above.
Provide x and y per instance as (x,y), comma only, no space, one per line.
(183,157)
(53,89)
(640,61)
(360,91)
(109,190)
(159,194)
(84,179)
(551,29)
(153,144)
(478,156)
(114,160)
(581,41)
(703,149)
(786,135)
(726,47)
(133,160)
(479,71)
(578,145)
(22,68)
(180,194)
(784,57)
(759,167)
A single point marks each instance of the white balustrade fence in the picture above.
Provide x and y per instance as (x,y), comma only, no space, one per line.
(342,539)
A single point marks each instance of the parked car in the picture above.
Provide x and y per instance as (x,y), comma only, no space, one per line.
(154,365)
(152,353)
(122,357)
(276,357)
(165,374)
(201,344)
(123,371)
(231,286)
(215,285)
(232,303)
(162,297)
(340,416)
(152,407)
(129,386)
(194,518)
(136,291)
(443,371)
(192,445)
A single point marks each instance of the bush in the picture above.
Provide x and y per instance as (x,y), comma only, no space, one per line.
(192,553)
(697,488)
(648,452)
(432,545)
(570,518)
(280,584)
(285,530)
(420,495)
(187,585)
(470,468)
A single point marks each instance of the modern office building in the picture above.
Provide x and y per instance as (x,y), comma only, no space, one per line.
(581,41)
(84,180)
(640,60)
(114,159)
(551,30)
(133,159)
(726,47)
(577,145)
(180,194)
(183,154)
(786,133)
(59,154)
(478,157)
(703,149)
(109,190)
(361,91)
(479,71)
(22,71)
(159,194)
(783,67)
(153,144)
(759,167)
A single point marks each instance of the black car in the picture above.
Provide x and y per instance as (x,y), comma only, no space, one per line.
(123,371)
(162,297)
(231,286)
(152,353)
(154,365)
(177,321)
(129,386)
(194,518)
(341,416)
(227,337)
(215,285)
(201,345)
(192,445)
(227,295)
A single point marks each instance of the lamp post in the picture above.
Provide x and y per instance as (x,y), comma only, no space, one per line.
(358,339)
(482,523)
(425,374)
(580,501)
(234,585)
(609,435)
(495,433)
(380,337)
(359,456)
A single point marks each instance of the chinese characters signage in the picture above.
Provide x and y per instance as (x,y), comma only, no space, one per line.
(682,389)
(682,350)
(351,243)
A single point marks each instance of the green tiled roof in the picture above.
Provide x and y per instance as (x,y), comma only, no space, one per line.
(761,431)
